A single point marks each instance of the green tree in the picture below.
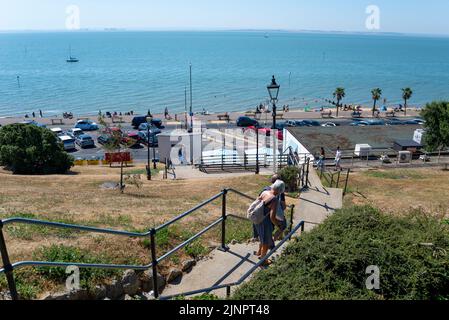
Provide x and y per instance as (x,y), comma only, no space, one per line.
(376,94)
(339,94)
(117,143)
(28,149)
(406,95)
(436,115)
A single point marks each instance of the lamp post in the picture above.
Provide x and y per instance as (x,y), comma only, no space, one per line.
(273,90)
(149,121)
(191,101)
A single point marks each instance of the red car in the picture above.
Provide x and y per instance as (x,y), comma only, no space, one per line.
(266,132)
(131,137)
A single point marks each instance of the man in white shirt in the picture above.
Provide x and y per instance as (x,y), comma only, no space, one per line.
(338,156)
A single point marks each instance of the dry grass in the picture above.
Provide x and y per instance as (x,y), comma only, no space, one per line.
(402,190)
(77,198)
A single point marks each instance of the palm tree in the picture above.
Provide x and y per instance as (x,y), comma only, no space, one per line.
(406,95)
(339,94)
(376,95)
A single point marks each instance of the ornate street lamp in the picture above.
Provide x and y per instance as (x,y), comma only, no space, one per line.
(273,90)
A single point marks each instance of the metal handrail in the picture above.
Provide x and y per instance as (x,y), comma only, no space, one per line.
(246,275)
(9,268)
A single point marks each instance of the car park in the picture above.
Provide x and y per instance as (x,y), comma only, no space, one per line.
(68,143)
(246,122)
(85,141)
(86,125)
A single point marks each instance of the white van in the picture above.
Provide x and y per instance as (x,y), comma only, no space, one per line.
(57,131)
(68,143)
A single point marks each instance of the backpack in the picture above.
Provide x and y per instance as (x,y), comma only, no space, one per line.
(256,212)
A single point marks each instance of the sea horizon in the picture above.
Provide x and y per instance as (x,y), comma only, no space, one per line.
(124,70)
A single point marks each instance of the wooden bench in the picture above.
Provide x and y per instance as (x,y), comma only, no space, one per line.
(325,114)
(56,121)
(224,117)
(356,114)
(390,114)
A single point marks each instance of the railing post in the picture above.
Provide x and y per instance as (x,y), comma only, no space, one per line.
(223,247)
(346,183)
(291,218)
(228,292)
(9,270)
(332,179)
(338,178)
(154,262)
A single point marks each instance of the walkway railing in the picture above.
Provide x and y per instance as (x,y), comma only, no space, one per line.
(9,268)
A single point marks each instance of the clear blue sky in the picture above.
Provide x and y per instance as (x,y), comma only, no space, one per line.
(407,16)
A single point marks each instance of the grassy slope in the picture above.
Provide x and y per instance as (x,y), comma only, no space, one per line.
(330,262)
(78,199)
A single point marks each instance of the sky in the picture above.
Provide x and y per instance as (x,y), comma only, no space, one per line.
(403,16)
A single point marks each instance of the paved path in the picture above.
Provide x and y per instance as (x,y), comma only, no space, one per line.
(315,205)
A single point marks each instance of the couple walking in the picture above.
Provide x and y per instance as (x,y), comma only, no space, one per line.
(274,206)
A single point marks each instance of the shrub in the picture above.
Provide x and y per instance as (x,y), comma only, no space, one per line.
(290,176)
(331,261)
(436,115)
(28,149)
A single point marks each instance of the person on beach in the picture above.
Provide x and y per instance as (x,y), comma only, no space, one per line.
(40,112)
(265,229)
(338,156)
(166,113)
(34,115)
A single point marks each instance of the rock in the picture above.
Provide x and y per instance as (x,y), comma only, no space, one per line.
(128,297)
(5,296)
(188,265)
(173,275)
(56,296)
(146,281)
(107,299)
(234,242)
(78,294)
(99,292)
(130,282)
(114,290)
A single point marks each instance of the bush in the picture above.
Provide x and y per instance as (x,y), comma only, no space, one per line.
(290,176)
(331,261)
(436,115)
(28,149)
(67,254)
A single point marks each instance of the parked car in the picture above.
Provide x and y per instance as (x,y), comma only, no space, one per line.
(34,123)
(360,123)
(137,121)
(86,125)
(104,139)
(266,132)
(131,139)
(311,123)
(375,122)
(415,121)
(153,128)
(394,122)
(57,131)
(75,132)
(329,125)
(85,141)
(246,122)
(153,140)
(68,143)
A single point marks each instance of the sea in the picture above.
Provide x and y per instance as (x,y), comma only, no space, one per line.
(122,71)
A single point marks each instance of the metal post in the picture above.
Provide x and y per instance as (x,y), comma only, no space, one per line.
(346,183)
(191,100)
(223,223)
(228,291)
(9,271)
(154,156)
(332,179)
(154,262)
(291,217)
(257,152)
(338,178)
(148,153)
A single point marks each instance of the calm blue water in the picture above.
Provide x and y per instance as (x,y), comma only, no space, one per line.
(123,71)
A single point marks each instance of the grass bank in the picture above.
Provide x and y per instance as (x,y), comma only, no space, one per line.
(330,262)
